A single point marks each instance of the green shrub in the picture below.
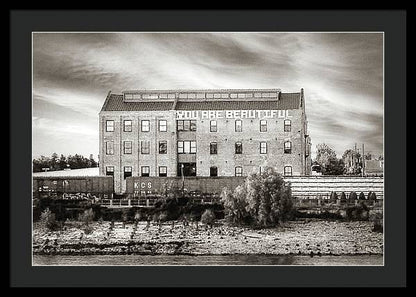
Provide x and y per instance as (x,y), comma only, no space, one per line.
(333,196)
(373,196)
(208,217)
(361,196)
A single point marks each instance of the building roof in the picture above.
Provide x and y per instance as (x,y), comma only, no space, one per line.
(116,102)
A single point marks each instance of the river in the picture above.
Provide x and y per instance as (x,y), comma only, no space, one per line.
(210,260)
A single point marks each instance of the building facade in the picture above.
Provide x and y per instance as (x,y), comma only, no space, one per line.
(234,132)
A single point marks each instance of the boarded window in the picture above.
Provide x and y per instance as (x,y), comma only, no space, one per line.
(213,148)
(127,147)
(213,126)
(238,148)
(163,147)
(238,126)
(239,171)
(213,171)
(109,148)
(145,147)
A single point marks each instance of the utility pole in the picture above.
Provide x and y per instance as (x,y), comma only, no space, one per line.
(363,161)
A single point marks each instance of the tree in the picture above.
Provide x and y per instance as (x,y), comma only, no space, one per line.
(264,200)
(324,155)
(352,162)
(335,167)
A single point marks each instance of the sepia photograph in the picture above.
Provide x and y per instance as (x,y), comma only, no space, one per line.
(208,148)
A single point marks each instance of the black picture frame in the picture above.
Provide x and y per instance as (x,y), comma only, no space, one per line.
(24,22)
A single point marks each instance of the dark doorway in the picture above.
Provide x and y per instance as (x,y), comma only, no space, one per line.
(213,171)
(187,169)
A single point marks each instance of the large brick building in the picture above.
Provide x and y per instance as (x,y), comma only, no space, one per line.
(202,133)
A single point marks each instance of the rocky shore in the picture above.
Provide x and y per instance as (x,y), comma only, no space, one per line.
(303,237)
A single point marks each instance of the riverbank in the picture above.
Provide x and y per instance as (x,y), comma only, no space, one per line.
(303,237)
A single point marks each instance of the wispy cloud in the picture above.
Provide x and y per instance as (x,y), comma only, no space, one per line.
(342,75)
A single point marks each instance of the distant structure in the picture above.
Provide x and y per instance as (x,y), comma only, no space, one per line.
(212,133)
(374,167)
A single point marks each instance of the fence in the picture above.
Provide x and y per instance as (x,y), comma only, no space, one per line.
(312,187)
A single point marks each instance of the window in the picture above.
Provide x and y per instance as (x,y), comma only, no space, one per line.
(213,148)
(109,126)
(213,126)
(213,171)
(288,171)
(163,171)
(163,126)
(180,147)
(193,125)
(109,170)
(238,148)
(287,125)
(186,147)
(186,125)
(238,126)
(109,148)
(179,125)
(127,147)
(163,147)
(239,171)
(127,171)
(145,147)
(263,147)
(127,127)
(288,147)
(145,125)
(193,147)
(263,126)
(145,171)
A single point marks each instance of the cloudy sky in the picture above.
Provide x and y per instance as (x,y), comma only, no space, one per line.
(341,73)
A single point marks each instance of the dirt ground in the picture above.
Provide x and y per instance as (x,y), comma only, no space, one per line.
(296,237)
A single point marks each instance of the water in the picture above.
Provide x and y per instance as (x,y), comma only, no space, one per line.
(147,260)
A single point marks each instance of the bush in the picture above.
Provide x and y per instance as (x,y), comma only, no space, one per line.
(361,196)
(373,196)
(263,200)
(208,217)
(333,196)
(352,196)
(48,221)
(357,213)
(87,216)
(343,198)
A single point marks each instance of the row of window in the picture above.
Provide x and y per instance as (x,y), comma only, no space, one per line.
(128,126)
(188,125)
(163,171)
(187,147)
